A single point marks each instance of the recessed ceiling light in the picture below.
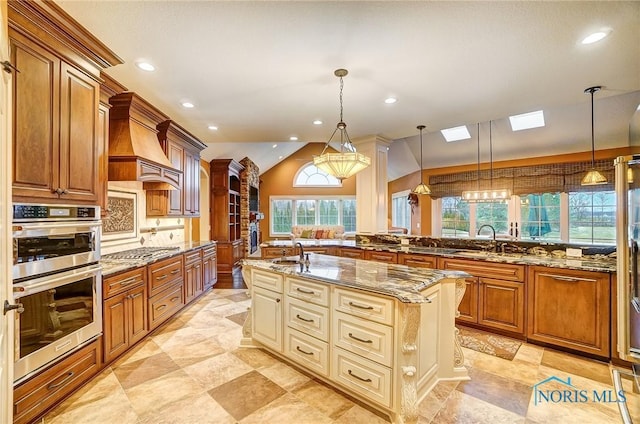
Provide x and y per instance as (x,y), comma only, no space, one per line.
(293,138)
(212,127)
(390,100)
(638,108)
(146,66)
(188,105)
(456,133)
(596,36)
(526,121)
(279,157)
(274,146)
(317,122)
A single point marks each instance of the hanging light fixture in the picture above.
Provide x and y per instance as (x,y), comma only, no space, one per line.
(421,188)
(493,194)
(347,161)
(593,177)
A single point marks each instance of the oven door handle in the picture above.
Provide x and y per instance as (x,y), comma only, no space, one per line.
(45,228)
(40,284)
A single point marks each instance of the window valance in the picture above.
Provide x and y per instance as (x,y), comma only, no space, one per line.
(560,177)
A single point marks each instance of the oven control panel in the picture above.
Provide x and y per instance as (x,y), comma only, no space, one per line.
(28,212)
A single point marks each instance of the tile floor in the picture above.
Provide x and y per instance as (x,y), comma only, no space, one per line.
(194,372)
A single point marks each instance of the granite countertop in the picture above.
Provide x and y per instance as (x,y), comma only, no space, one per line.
(399,281)
(598,263)
(112,265)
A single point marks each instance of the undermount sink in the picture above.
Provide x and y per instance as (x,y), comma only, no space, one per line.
(286,261)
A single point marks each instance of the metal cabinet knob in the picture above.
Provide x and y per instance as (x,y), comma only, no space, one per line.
(18,307)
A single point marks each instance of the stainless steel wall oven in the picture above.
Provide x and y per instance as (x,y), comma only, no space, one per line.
(57,280)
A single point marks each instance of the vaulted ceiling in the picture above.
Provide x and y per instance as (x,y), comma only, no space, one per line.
(262,71)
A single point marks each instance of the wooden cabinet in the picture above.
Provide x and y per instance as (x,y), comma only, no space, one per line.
(381,256)
(56,124)
(351,252)
(418,261)
(276,252)
(209,267)
(266,310)
(494,296)
(570,308)
(165,282)
(125,320)
(183,151)
(34,397)
(193,275)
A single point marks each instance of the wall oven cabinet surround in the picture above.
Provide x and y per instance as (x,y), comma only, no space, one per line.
(386,352)
(183,151)
(56,93)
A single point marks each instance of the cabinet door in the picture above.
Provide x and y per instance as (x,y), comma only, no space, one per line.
(569,308)
(267,318)
(190,277)
(36,94)
(137,314)
(199,281)
(79,99)
(191,193)
(209,272)
(116,340)
(102,143)
(501,305)
(468,307)
(175,153)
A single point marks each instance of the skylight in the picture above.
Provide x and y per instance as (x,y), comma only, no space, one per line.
(526,121)
(456,133)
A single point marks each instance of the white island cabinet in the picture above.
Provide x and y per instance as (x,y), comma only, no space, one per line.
(383,333)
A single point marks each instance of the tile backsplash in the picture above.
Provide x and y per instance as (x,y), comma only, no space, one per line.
(129,200)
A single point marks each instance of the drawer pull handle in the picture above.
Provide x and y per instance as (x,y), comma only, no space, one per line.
(355,305)
(305,291)
(162,277)
(303,318)
(128,281)
(569,279)
(161,307)
(173,299)
(359,339)
(302,351)
(366,380)
(175,271)
(64,380)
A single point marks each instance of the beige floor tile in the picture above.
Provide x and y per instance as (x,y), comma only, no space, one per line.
(284,376)
(576,365)
(287,409)
(529,353)
(499,391)
(218,370)
(523,372)
(157,393)
(131,374)
(189,354)
(256,358)
(197,409)
(114,408)
(359,415)
(463,408)
(323,398)
(144,349)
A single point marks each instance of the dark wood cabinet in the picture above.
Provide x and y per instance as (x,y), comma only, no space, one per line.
(165,281)
(193,275)
(418,261)
(351,252)
(209,267)
(225,214)
(388,257)
(125,320)
(183,151)
(494,296)
(570,308)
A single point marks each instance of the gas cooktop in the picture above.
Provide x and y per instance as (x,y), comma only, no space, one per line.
(142,253)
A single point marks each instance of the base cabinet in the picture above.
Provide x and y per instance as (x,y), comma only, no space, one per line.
(209,267)
(193,277)
(570,308)
(266,312)
(165,281)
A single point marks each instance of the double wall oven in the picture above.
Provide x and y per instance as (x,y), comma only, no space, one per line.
(57,282)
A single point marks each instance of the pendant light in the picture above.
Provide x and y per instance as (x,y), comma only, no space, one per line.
(497,195)
(347,161)
(593,177)
(421,188)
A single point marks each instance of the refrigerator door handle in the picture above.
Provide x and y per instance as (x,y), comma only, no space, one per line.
(634,271)
(636,304)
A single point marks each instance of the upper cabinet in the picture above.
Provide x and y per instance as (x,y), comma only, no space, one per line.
(56,94)
(183,151)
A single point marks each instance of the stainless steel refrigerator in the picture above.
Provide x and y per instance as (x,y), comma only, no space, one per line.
(627,172)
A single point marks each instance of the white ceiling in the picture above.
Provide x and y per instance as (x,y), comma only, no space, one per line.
(263,71)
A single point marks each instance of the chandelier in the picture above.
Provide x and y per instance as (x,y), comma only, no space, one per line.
(593,177)
(347,161)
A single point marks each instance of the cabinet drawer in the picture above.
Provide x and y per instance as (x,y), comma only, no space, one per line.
(371,380)
(418,261)
(388,257)
(192,256)
(209,251)
(351,253)
(120,283)
(362,337)
(307,351)
(164,273)
(307,318)
(267,280)
(34,396)
(507,272)
(367,306)
(165,304)
(309,291)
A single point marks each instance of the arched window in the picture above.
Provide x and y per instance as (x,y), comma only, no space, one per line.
(310,176)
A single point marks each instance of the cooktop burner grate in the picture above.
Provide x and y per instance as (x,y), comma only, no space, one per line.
(141,253)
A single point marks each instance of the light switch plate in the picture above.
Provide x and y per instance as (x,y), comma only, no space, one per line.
(404,241)
(574,253)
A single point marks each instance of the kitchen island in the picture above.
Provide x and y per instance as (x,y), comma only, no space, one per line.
(384,333)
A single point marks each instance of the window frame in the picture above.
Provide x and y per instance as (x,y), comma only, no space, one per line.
(401,195)
(317,199)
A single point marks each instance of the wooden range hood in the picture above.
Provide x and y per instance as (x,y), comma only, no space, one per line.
(134,151)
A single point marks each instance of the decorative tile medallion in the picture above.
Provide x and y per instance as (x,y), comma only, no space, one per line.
(121,223)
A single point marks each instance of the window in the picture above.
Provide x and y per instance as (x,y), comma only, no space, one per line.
(580,217)
(322,210)
(310,176)
(400,210)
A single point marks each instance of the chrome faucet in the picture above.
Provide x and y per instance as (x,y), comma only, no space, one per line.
(301,250)
(493,245)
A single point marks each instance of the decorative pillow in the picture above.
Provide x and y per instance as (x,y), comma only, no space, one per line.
(320,234)
(332,234)
(306,234)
